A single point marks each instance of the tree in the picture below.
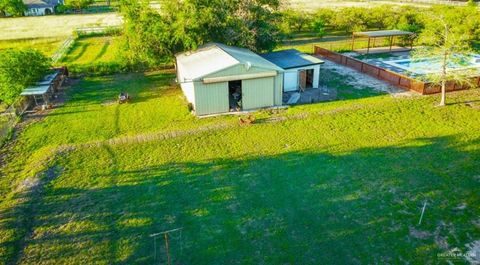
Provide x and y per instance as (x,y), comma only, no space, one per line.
(18,69)
(182,25)
(319,27)
(351,19)
(297,20)
(78,4)
(12,7)
(448,42)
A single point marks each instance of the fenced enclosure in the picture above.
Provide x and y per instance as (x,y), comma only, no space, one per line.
(396,79)
(346,45)
(10,117)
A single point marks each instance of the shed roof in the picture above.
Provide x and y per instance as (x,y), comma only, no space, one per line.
(383,33)
(214,57)
(35,90)
(292,58)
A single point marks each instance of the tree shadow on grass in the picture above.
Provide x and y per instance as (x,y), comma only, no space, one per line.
(294,208)
(102,52)
(82,47)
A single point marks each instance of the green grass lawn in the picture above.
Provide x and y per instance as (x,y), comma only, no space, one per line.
(47,46)
(343,182)
(93,50)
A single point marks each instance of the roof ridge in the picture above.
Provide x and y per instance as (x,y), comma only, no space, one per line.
(219,45)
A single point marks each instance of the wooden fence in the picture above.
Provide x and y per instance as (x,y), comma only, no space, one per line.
(396,79)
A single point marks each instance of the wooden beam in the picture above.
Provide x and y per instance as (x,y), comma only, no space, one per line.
(391,42)
(353,42)
(368,46)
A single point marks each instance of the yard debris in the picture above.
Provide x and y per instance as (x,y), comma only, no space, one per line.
(248,120)
(472,105)
(461,206)
(418,233)
(109,102)
(294,98)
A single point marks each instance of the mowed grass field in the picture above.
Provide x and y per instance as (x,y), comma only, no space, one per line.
(342,182)
(53,26)
(93,49)
(47,46)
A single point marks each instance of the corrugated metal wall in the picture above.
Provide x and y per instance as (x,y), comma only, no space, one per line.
(258,93)
(279,89)
(211,98)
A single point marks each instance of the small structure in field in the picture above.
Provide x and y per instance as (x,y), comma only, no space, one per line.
(217,78)
(41,7)
(374,45)
(42,91)
(302,71)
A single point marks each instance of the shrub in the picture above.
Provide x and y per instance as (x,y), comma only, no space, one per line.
(18,69)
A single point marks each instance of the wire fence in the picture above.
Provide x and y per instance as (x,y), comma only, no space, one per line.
(10,117)
(346,45)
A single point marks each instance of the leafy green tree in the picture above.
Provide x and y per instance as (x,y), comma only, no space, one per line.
(297,20)
(147,38)
(351,19)
(18,69)
(12,7)
(319,27)
(152,35)
(447,40)
(78,4)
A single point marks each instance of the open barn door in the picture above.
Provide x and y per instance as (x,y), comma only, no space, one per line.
(302,80)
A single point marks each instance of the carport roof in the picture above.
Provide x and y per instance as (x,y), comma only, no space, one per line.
(214,57)
(292,58)
(382,33)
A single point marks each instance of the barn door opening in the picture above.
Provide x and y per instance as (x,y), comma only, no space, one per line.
(235,95)
(305,79)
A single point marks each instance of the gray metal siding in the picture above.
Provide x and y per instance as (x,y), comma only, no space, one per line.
(211,98)
(258,93)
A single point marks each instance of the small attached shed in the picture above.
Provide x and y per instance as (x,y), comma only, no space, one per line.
(302,71)
(218,78)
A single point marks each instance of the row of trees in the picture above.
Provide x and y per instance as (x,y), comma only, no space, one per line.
(353,19)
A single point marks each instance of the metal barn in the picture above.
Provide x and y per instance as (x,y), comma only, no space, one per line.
(218,78)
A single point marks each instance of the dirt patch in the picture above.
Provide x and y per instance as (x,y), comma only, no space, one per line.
(109,102)
(418,233)
(360,80)
(473,252)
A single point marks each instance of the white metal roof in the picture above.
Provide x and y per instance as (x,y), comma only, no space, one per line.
(214,57)
(383,33)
